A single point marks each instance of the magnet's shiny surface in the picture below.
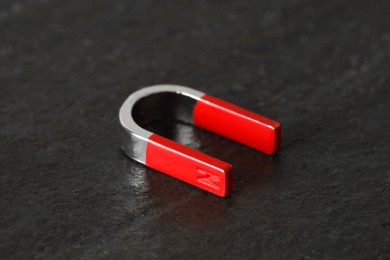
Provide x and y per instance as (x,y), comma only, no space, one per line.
(149,104)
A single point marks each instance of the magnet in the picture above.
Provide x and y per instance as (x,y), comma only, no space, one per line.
(188,105)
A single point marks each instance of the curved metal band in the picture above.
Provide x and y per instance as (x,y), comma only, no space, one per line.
(151,103)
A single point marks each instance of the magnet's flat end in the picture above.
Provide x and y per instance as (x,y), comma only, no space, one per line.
(277,139)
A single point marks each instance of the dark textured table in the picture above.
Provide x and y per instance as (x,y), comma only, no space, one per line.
(321,68)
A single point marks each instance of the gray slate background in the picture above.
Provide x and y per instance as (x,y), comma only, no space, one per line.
(321,68)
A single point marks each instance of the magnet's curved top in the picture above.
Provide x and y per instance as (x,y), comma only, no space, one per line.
(149,104)
(191,106)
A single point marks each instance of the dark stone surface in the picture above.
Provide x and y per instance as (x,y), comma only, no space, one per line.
(321,68)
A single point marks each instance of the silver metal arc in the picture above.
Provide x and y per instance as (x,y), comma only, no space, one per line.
(157,102)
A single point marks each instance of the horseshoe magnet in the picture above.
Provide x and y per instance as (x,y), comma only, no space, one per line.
(191,106)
